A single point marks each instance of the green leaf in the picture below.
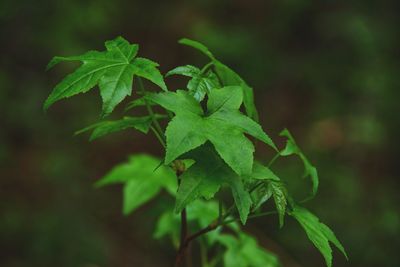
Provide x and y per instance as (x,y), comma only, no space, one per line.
(245,252)
(138,192)
(200,84)
(112,70)
(260,195)
(106,127)
(148,69)
(291,148)
(318,233)
(115,85)
(183,134)
(241,196)
(109,69)
(190,128)
(202,179)
(227,98)
(205,177)
(261,172)
(179,102)
(279,194)
(187,70)
(197,45)
(246,124)
(141,181)
(228,77)
(204,212)
(272,187)
(125,49)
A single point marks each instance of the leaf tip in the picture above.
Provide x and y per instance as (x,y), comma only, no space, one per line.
(54,61)
(126,210)
(47,104)
(99,183)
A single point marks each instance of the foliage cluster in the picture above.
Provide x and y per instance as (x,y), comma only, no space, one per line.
(208,143)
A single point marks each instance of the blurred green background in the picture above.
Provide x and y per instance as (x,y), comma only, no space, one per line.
(327,70)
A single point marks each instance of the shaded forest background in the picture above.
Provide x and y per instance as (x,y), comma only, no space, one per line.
(327,70)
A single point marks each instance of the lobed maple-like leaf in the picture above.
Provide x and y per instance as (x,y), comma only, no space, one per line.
(142,181)
(272,187)
(112,70)
(222,124)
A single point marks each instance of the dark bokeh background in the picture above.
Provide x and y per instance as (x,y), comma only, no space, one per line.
(327,70)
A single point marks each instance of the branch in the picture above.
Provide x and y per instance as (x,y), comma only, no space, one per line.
(179,167)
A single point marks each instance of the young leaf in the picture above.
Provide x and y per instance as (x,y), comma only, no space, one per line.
(205,177)
(112,70)
(106,127)
(260,195)
(188,70)
(291,148)
(272,187)
(200,84)
(279,194)
(141,181)
(318,233)
(190,128)
(228,77)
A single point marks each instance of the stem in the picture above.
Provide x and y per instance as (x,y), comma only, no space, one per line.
(151,113)
(179,169)
(206,67)
(273,159)
(201,232)
(183,226)
(262,214)
(158,136)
